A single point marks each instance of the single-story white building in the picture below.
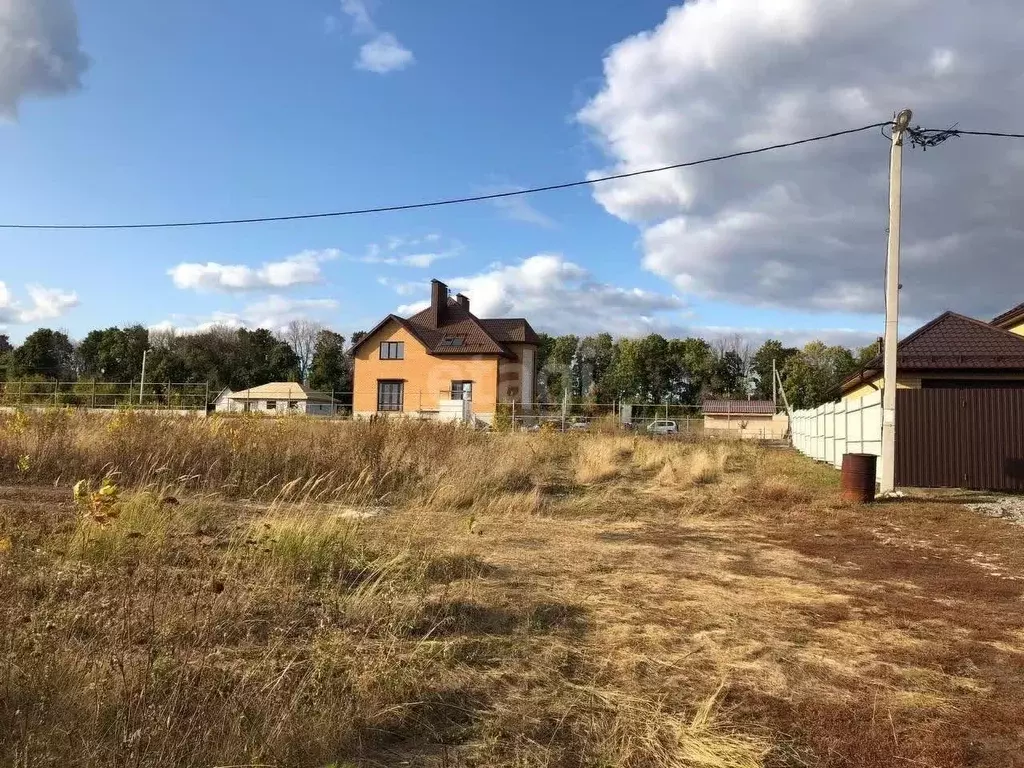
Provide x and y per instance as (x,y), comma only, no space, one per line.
(275,397)
(751,419)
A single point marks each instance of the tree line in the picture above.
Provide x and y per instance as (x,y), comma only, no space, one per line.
(232,358)
(597,369)
(653,369)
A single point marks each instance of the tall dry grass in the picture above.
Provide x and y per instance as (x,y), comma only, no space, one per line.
(293,592)
(283,592)
(258,457)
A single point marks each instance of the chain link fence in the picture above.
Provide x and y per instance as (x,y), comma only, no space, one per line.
(105,395)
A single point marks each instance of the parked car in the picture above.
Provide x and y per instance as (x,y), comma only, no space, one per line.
(579,426)
(662,428)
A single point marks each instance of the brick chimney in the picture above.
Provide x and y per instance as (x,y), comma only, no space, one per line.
(463,301)
(438,302)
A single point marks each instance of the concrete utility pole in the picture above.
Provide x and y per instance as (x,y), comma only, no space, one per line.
(892,305)
(142,381)
(775,397)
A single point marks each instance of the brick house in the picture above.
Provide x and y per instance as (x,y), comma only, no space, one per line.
(445,362)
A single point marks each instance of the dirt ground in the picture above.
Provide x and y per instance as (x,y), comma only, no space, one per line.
(835,635)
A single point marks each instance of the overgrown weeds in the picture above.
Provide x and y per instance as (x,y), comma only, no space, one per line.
(293,592)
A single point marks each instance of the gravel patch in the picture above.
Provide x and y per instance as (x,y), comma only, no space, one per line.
(1009,508)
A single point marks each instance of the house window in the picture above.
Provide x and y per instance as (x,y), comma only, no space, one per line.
(392,350)
(453,341)
(246,406)
(271,405)
(293,404)
(462,390)
(389,395)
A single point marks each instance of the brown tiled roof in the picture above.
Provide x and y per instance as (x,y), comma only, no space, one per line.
(510,330)
(1009,317)
(952,341)
(461,332)
(738,407)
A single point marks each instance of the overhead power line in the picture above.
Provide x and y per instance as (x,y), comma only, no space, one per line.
(454,200)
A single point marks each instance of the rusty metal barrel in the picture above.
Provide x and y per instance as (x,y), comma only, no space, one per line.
(857,481)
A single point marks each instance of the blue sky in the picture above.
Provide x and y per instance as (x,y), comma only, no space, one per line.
(192,109)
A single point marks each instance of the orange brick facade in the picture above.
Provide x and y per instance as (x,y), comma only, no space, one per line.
(427,378)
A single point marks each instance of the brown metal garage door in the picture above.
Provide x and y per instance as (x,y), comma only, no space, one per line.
(960,438)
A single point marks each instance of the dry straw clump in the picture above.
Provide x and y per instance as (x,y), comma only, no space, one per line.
(602,458)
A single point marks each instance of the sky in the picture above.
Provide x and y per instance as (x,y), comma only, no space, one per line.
(125,112)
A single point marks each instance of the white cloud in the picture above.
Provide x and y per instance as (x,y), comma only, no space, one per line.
(46,304)
(383,52)
(389,253)
(39,51)
(805,227)
(301,269)
(411,309)
(402,288)
(273,313)
(560,296)
(356,10)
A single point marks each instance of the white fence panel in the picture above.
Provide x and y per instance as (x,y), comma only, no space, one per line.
(827,432)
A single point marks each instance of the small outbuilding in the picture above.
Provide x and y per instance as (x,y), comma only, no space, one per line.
(748,419)
(276,397)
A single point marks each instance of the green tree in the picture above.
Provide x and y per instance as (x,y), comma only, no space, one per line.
(558,374)
(596,354)
(812,376)
(6,357)
(866,354)
(727,376)
(761,366)
(693,371)
(113,354)
(658,370)
(259,358)
(331,368)
(46,353)
(623,379)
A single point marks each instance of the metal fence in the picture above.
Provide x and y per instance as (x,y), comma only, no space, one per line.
(564,415)
(960,438)
(620,415)
(105,395)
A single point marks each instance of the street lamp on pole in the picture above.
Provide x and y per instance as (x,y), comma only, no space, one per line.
(892,305)
(142,380)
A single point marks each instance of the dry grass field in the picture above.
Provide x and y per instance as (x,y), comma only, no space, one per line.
(257,592)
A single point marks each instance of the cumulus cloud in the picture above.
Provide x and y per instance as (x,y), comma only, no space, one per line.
(559,296)
(273,313)
(301,269)
(805,227)
(383,52)
(40,53)
(45,304)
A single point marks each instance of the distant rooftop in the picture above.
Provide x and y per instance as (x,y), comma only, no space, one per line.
(738,407)
(281,390)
